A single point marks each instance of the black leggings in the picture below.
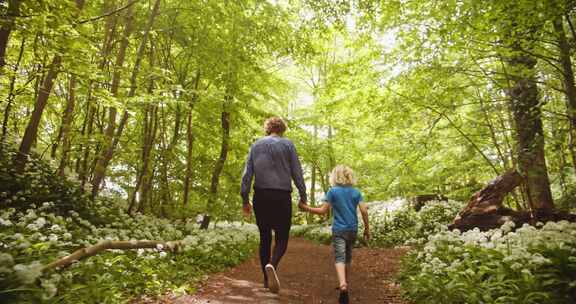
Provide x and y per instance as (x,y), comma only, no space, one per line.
(273,210)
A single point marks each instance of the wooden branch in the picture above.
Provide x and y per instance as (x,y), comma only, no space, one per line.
(108,244)
(108,13)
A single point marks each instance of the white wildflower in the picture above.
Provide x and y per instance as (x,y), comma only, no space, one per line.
(27,274)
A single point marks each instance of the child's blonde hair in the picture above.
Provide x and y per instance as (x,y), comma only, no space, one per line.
(342,175)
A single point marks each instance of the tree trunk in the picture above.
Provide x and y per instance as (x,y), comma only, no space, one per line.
(142,181)
(486,211)
(225,122)
(189,146)
(190,142)
(568,81)
(87,130)
(529,132)
(67,125)
(11,95)
(146,167)
(6,28)
(165,195)
(32,129)
(105,153)
(92,110)
(108,153)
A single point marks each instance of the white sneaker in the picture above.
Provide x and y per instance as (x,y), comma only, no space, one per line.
(274,283)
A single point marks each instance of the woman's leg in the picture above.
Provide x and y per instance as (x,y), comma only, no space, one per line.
(262,215)
(280,246)
(265,249)
(282,226)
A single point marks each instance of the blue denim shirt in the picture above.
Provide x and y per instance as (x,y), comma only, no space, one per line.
(274,163)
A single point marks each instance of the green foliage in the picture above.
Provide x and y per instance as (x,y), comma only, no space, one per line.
(44,217)
(394,223)
(526,266)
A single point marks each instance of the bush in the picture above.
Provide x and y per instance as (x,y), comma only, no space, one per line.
(499,266)
(34,238)
(394,222)
(44,217)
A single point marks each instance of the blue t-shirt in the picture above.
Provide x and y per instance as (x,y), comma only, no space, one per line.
(344,200)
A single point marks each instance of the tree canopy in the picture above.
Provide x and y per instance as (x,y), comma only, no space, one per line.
(157,102)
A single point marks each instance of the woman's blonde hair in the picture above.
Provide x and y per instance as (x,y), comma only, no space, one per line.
(342,175)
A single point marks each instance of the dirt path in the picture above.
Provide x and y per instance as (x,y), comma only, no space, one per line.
(307,276)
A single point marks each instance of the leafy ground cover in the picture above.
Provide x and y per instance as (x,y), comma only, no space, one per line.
(44,217)
(528,265)
(507,265)
(393,222)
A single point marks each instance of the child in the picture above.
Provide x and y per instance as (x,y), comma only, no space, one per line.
(343,198)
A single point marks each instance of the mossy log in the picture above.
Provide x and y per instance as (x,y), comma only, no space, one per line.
(108,244)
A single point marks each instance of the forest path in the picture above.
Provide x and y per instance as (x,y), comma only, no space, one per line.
(307,276)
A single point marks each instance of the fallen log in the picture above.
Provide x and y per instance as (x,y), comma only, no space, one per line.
(485,210)
(108,244)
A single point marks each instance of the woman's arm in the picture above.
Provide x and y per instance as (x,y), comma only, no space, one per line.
(319,210)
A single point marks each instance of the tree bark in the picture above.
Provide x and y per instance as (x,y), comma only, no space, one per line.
(105,154)
(485,209)
(190,142)
(67,125)
(150,128)
(108,244)
(11,95)
(92,110)
(32,129)
(109,151)
(568,81)
(225,123)
(6,29)
(146,167)
(526,112)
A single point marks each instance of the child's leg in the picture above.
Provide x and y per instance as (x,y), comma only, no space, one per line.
(341,272)
(348,269)
(350,240)
(339,245)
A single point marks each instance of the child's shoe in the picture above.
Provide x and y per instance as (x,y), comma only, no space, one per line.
(343,299)
(273,281)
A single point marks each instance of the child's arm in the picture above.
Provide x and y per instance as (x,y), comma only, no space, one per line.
(319,210)
(364,212)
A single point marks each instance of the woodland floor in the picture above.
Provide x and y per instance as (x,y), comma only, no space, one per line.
(307,276)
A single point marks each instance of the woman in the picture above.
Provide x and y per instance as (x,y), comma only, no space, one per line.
(273,162)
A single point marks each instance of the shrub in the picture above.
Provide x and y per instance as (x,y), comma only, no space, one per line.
(499,266)
(394,222)
(44,217)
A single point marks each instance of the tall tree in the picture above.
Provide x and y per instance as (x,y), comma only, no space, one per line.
(525,105)
(42,99)
(106,157)
(7,20)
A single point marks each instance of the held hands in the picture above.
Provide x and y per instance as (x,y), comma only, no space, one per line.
(247,210)
(303,206)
